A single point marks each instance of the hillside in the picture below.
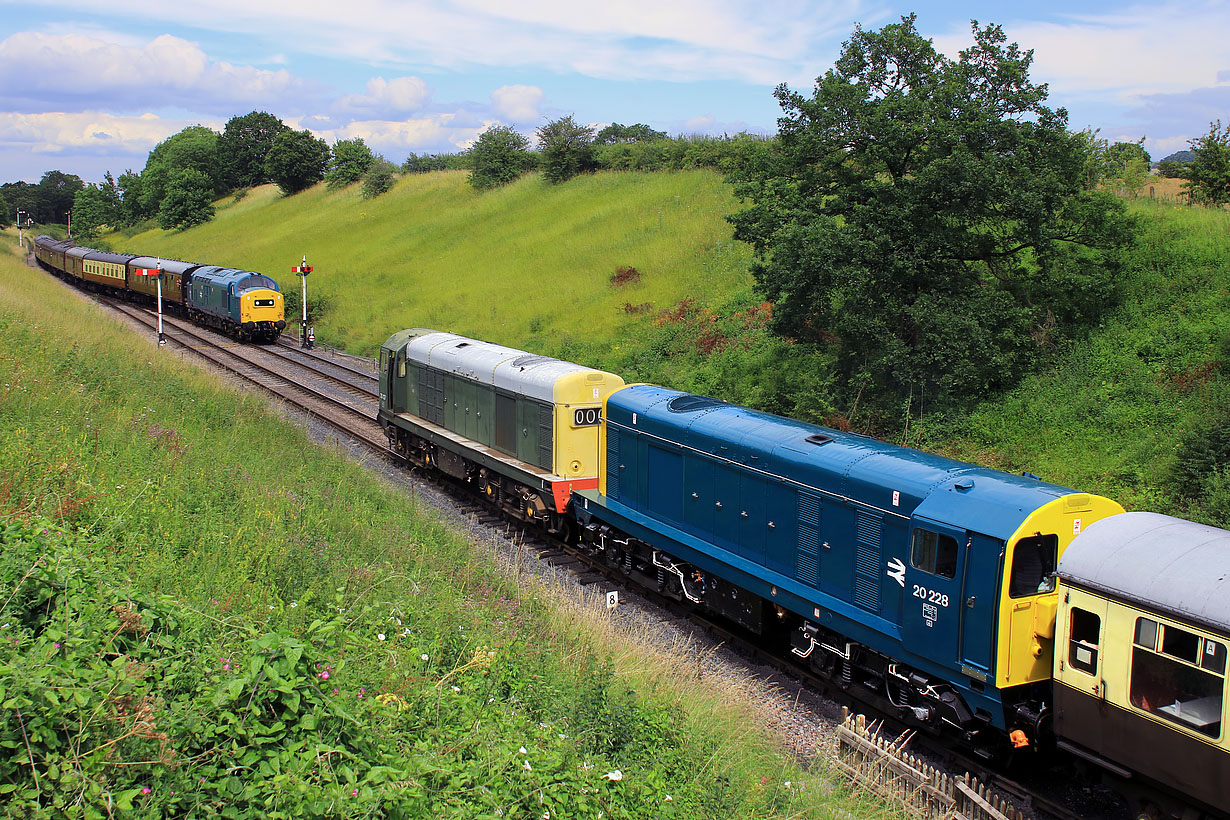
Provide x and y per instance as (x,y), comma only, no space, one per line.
(515,265)
(531,266)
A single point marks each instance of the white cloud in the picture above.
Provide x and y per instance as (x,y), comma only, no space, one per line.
(73,70)
(1136,51)
(746,40)
(399,95)
(398,137)
(88,132)
(519,104)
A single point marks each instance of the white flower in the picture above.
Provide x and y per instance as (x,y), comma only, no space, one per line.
(615,775)
(294,604)
(526,765)
(380,636)
(787,784)
(563,736)
(668,797)
(456,688)
(522,750)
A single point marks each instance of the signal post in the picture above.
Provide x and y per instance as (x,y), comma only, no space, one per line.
(306,337)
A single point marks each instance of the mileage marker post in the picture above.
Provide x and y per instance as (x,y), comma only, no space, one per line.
(157,274)
(303,270)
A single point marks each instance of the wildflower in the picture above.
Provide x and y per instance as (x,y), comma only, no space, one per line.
(616,775)
(527,766)
(146,790)
(335,691)
(522,750)
(226,667)
(668,797)
(423,657)
(456,688)
(354,792)
(380,636)
(56,644)
(294,604)
(324,675)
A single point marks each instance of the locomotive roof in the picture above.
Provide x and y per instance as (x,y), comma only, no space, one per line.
(167,265)
(1162,563)
(228,276)
(892,479)
(505,367)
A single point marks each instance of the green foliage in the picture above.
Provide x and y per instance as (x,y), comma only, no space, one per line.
(7,213)
(188,200)
(245,143)
(615,134)
(567,149)
(725,154)
(379,178)
(1208,174)
(1119,154)
(425,163)
(195,149)
(93,207)
(1172,169)
(350,161)
(498,157)
(297,161)
(927,219)
(132,204)
(53,197)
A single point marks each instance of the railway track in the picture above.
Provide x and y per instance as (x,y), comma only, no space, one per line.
(334,389)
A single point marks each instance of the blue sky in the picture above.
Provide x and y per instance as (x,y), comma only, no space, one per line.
(88,86)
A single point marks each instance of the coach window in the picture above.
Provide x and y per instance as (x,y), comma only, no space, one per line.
(1169,682)
(1033,565)
(1084,630)
(934,553)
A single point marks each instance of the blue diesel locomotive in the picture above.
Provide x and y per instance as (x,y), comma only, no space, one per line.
(927,581)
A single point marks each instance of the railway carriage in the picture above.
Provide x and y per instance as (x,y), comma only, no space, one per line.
(523,428)
(925,580)
(50,252)
(105,269)
(74,261)
(1144,626)
(175,277)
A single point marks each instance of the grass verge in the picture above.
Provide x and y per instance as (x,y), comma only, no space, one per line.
(206,615)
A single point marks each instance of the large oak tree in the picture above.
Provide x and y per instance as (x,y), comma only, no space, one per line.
(929,218)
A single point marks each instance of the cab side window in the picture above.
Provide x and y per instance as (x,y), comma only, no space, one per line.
(1084,633)
(934,553)
(1033,565)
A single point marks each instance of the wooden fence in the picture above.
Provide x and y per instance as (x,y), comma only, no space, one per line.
(884,767)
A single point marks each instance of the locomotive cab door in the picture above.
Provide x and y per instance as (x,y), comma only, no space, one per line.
(931,600)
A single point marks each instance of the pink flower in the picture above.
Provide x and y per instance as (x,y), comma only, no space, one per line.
(56,644)
(324,675)
(146,790)
(354,793)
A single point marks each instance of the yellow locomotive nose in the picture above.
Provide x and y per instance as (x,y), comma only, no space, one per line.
(261,305)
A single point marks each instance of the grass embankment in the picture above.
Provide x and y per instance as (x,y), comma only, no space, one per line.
(522,264)
(1112,413)
(206,615)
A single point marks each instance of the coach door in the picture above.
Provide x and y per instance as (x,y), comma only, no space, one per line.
(931,605)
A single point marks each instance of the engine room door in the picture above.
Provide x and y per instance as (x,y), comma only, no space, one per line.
(982,572)
(931,580)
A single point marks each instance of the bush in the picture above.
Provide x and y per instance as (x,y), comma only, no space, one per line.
(378,179)
(498,157)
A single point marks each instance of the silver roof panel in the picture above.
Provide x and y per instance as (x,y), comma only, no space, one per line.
(1166,564)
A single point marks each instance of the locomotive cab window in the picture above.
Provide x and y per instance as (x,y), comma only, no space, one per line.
(1033,565)
(1084,631)
(934,553)
(401,363)
(1169,681)
(384,361)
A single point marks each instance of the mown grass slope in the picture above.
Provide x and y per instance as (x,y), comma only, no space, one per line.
(508,265)
(205,615)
